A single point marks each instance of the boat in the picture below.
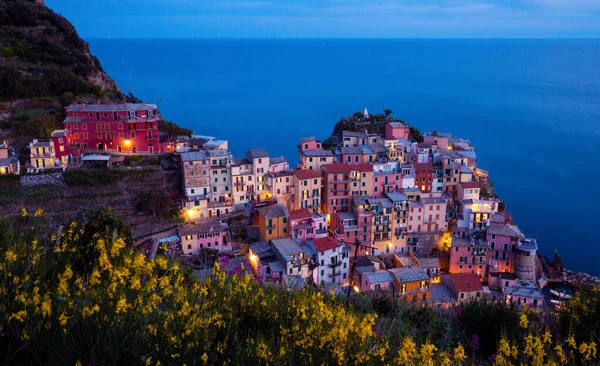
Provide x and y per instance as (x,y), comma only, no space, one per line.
(559,294)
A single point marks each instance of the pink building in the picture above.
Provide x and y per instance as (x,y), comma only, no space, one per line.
(64,148)
(396,130)
(129,128)
(306,225)
(424,176)
(467,255)
(207,235)
(385,182)
(378,280)
(503,239)
(442,142)
(345,226)
(309,143)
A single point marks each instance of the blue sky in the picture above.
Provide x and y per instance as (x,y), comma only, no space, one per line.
(331,18)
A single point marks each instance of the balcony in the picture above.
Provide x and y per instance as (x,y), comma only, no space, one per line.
(220,204)
(42,155)
(333,265)
(238,184)
(271,227)
(335,274)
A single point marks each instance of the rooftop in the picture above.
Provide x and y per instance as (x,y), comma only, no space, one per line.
(60,133)
(396,196)
(111,107)
(409,274)
(260,247)
(397,124)
(466,282)
(317,153)
(274,211)
(257,153)
(193,156)
(300,214)
(471,184)
(306,174)
(307,139)
(504,230)
(378,276)
(326,243)
(201,228)
(288,248)
(279,160)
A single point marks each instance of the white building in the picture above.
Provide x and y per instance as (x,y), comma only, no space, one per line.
(332,259)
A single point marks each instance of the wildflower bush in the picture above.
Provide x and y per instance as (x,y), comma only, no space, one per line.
(85,296)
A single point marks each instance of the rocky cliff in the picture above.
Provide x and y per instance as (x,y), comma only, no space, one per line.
(41,55)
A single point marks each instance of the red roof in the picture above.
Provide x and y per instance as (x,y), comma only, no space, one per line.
(423,166)
(306,174)
(471,184)
(327,243)
(300,214)
(346,168)
(466,282)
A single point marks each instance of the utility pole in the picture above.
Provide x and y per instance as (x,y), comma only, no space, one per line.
(353,265)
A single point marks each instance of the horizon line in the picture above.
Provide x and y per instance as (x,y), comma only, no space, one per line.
(341,38)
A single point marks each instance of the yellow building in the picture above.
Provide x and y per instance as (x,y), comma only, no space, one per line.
(307,190)
(273,222)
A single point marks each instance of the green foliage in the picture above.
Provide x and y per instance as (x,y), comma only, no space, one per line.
(387,112)
(416,134)
(173,129)
(45,55)
(40,126)
(157,204)
(101,176)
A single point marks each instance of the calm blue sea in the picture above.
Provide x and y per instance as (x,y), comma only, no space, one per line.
(531,107)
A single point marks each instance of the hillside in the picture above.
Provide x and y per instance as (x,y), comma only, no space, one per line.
(41,55)
(371,123)
(83,297)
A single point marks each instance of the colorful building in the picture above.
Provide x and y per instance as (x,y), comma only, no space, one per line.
(332,260)
(305,225)
(42,154)
(342,181)
(126,128)
(208,235)
(273,222)
(307,187)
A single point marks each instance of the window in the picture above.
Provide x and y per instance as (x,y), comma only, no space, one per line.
(322,272)
(133,134)
(76,136)
(62,149)
(85,135)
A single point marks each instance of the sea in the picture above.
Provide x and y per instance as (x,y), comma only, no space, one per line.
(531,107)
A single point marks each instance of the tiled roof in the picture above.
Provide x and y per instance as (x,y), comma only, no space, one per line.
(306,174)
(466,282)
(206,227)
(326,243)
(396,196)
(273,211)
(74,119)
(409,274)
(257,153)
(307,139)
(279,160)
(193,156)
(111,107)
(317,153)
(300,214)
(379,276)
(397,124)
(287,248)
(59,133)
(471,184)
(504,230)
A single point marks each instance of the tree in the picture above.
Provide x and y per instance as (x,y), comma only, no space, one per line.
(387,112)
(416,134)
(157,203)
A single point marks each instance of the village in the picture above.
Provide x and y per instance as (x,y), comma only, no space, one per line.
(375,213)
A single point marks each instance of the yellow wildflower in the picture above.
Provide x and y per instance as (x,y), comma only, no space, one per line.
(562,357)
(204,358)
(459,353)
(547,337)
(588,351)
(121,305)
(571,342)
(38,212)
(11,256)
(46,306)
(523,321)
(90,310)
(63,318)
(23,211)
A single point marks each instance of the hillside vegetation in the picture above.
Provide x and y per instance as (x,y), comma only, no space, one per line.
(83,295)
(42,55)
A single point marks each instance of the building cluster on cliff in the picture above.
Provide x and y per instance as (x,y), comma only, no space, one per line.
(375,212)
